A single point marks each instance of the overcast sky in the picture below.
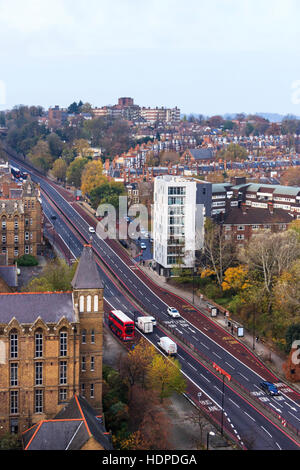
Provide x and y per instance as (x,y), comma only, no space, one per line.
(208,57)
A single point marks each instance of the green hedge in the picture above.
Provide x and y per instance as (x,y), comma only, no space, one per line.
(27,260)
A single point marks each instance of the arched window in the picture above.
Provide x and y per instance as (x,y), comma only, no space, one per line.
(89,303)
(96,303)
(81,303)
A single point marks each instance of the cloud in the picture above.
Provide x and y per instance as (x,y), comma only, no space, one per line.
(77,27)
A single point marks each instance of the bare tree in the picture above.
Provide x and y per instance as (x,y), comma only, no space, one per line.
(219,253)
(271,255)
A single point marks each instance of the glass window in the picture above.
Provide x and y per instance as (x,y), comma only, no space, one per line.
(62,394)
(92,363)
(93,336)
(83,336)
(83,364)
(14,402)
(38,345)
(13,345)
(63,372)
(96,303)
(92,395)
(13,374)
(89,303)
(81,304)
(38,373)
(63,349)
(38,408)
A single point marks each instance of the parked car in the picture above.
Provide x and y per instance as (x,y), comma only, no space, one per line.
(269,388)
(143,246)
(92,230)
(173,312)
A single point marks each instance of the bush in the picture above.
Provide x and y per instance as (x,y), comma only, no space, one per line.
(27,260)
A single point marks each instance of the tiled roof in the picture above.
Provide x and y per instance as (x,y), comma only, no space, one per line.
(69,430)
(257,216)
(87,274)
(27,307)
(9,274)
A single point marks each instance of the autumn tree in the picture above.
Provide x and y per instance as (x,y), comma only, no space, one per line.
(164,376)
(92,176)
(55,277)
(59,169)
(74,171)
(82,148)
(234,152)
(107,193)
(286,294)
(291,177)
(236,278)
(135,364)
(40,156)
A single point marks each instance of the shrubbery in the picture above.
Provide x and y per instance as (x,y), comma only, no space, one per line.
(27,260)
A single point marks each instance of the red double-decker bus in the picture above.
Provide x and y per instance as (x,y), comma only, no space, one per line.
(121,325)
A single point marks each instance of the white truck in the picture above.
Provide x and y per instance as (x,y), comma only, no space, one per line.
(145,324)
(167,345)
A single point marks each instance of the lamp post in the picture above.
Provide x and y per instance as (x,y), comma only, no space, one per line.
(210,433)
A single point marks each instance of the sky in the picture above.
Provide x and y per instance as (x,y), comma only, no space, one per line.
(206,57)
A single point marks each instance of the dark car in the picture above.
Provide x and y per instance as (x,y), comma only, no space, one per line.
(269,388)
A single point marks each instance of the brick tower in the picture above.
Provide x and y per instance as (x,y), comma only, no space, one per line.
(88,302)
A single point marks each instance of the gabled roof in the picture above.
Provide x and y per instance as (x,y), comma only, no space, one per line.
(72,427)
(27,307)
(87,274)
(201,154)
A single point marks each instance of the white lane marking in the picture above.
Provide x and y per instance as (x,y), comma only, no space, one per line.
(266,431)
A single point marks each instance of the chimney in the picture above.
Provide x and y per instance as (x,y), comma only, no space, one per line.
(271,208)
(244,208)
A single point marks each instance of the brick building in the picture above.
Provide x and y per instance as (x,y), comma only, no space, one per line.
(242,223)
(20,218)
(51,349)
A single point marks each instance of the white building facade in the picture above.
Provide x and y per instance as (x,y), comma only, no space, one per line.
(178,223)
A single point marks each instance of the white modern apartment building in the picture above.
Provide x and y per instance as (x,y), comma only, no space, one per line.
(178,223)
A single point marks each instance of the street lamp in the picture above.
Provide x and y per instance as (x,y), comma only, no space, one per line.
(210,433)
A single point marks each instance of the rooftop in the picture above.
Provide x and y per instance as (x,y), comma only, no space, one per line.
(87,275)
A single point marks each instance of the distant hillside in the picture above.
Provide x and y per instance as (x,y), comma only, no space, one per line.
(272,117)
